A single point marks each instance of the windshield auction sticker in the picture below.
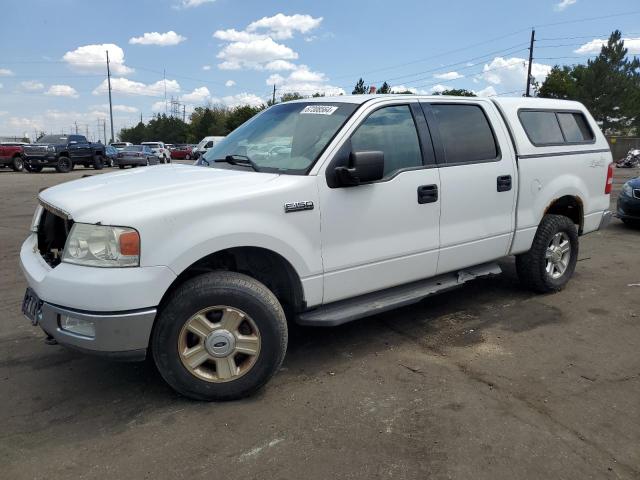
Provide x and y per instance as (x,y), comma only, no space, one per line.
(319,109)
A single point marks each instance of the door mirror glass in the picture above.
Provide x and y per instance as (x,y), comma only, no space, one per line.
(364,167)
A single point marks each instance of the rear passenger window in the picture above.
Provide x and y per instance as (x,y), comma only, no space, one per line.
(542,127)
(575,127)
(466,133)
(392,131)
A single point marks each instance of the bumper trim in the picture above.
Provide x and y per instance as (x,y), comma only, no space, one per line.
(117,333)
(607,215)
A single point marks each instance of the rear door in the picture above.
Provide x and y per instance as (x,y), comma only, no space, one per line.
(478,182)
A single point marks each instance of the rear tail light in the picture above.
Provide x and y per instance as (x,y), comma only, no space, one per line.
(609,185)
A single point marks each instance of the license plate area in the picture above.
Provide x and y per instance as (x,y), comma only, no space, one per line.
(32,306)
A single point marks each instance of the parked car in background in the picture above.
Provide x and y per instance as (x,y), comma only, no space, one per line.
(629,203)
(111,155)
(11,156)
(205,144)
(136,155)
(63,152)
(120,145)
(160,150)
(181,152)
(378,202)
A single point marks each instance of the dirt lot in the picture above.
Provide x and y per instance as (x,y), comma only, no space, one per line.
(485,382)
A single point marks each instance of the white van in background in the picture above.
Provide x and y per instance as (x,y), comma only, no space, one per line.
(205,144)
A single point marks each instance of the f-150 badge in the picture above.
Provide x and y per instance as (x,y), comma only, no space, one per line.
(298,206)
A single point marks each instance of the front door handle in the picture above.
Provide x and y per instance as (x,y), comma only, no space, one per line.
(504,183)
(427,194)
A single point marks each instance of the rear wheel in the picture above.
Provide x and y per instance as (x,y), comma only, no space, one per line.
(17,164)
(187,157)
(550,263)
(121,167)
(98,162)
(148,161)
(32,168)
(64,165)
(631,222)
(221,336)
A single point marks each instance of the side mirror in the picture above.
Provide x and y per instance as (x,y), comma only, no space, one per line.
(365,167)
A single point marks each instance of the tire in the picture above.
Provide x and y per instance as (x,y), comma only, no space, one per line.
(17,164)
(215,293)
(31,168)
(64,165)
(98,162)
(631,223)
(533,266)
(187,157)
(121,167)
(148,162)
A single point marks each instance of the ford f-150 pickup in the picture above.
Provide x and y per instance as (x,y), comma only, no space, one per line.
(317,211)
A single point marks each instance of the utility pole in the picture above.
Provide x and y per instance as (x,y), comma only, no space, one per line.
(184,113)
(87,131)
(104,130)
(273,98)
(110,105)
(164,79)
(76,124)
(533,39)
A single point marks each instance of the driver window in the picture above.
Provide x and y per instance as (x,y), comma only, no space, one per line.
(392,131)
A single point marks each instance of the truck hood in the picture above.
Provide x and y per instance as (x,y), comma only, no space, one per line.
(143,192)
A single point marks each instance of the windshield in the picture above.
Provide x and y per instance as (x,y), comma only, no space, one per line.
(118,145)
(133,148)
(53,139)
(152,145)
(287,137)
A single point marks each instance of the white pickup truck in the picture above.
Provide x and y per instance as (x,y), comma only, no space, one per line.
(318,211)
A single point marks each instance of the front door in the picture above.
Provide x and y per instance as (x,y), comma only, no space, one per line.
(385,233)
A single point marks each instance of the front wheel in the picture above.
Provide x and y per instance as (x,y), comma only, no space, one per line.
(64,165)
(32,168)
(550,263)
(221,336)
(98,162)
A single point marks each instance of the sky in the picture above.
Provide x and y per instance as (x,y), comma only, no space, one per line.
(233,52)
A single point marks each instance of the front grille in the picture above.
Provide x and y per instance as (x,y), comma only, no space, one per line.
(636,193)
(35,150)
(52,235)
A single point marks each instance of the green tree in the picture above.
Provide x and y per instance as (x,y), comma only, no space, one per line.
(134,135)
(456,92)
(287,97)
(360,88)
(385,88)
(608,85)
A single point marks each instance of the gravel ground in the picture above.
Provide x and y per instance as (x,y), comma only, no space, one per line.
(486,382)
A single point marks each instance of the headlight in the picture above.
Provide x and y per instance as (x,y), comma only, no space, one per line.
(35,221)
(51,148)
(102,246)
(627,190)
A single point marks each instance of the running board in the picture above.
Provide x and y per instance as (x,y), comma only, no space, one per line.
(351,309)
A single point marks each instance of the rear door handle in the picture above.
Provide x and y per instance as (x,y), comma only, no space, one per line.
(504,183)
(427,194)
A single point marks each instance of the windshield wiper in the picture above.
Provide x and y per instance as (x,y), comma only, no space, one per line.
(242,160)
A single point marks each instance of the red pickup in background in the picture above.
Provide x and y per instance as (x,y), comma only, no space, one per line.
(11,156)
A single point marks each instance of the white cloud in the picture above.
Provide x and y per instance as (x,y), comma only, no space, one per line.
(229,83)
(486,92)
(511,73)
(206,67)
(3,112)
(192,3)
(160,39)
(436,89)
(116,108)
(5,72)
(129,87)
(304,81)
(159,106)
(23,124)
(282,26)
(242,99)
(404,88)
(280,65)
(253,54)
(62,91)
(448,76)
(594,46)
(199,95)
(1,86)
(563,4)
(32,85)
(233,35)
(94,58)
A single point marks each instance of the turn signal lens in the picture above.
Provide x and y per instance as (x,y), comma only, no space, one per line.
(130,243)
